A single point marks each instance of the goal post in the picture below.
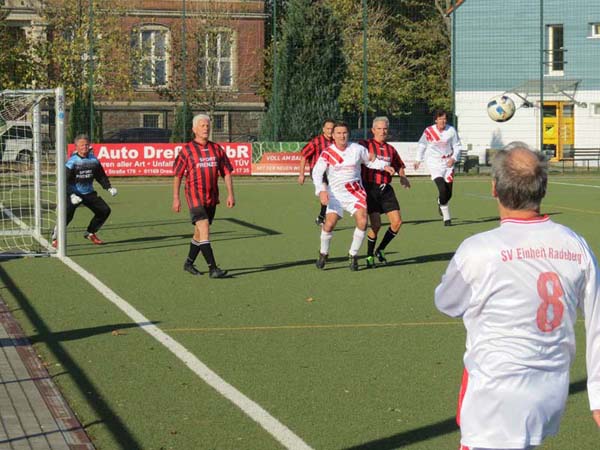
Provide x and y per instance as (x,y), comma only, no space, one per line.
(32,176)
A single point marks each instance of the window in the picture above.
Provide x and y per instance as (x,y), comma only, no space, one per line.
(151,120)
(595,109)
(595,30)
(556,50)
(215,59)
(151,67)
(218,124)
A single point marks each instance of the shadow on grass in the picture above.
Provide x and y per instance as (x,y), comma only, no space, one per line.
(433,430)
(93,397)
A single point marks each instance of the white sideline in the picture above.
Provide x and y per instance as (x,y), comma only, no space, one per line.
(575,184)
(275,428)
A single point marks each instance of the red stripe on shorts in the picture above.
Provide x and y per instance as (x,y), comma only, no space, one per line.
(461,394)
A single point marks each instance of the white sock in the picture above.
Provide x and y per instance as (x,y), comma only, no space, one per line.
(357,240)
(325,240)
(445,211)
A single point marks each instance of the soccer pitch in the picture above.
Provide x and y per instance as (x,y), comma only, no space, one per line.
(343,360)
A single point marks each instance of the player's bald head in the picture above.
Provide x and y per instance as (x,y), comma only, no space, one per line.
(520,177)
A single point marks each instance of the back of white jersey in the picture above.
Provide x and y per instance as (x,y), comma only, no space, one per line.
(517,288)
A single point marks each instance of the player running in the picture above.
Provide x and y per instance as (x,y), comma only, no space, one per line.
(441,146)
(311,152)
(342,162)
(380,193)
(518,288)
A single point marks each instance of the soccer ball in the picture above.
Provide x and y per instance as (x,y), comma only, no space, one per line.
(501,108)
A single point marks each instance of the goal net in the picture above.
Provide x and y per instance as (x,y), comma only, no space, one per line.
(31,133)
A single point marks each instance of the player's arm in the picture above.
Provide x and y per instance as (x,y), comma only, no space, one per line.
(371,161)
(176,187)
(307,152)
(403,179)
(453,294)
(456,149)
(229,186)
(421,147)
(590,305)
(301,169)
(317,177)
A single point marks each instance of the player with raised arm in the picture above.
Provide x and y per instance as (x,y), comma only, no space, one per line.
(381,198)
(82,169)
(201,162)
(440,147)
(517,289)
(310,154)
(342,162)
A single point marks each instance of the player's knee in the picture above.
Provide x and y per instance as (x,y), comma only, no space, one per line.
(395,225)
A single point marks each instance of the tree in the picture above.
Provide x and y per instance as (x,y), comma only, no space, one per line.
(183,124)
(79,121)
(309,73)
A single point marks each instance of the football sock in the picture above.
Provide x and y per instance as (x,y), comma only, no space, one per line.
(207,252)
(445,212)
(323,211)
(194,250)
(371,245)
(325,240)
(389,235)
(357,240)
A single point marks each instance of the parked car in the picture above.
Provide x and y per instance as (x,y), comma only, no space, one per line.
(16,142)
(149,135)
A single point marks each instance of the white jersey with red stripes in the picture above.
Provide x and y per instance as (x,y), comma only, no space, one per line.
(436,148)
(343,168)
(518,288)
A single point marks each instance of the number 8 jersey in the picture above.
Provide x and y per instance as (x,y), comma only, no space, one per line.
(518,288)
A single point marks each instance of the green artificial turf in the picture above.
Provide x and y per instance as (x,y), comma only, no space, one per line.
(345,360)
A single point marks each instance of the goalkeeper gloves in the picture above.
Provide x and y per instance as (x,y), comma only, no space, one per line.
(112,191)
(76,199)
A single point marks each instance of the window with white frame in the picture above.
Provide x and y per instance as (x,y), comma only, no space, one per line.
(215,59)
(595,109)
(218,123)
(152,44)
(555,50)
(595,30)
(151,120)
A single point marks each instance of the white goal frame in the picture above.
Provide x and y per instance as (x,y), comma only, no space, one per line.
(34,227)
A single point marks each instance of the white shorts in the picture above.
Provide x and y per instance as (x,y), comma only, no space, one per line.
(350,197)
(439,169)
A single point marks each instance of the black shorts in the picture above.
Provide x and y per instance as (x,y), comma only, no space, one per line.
(381,198)
(203,213)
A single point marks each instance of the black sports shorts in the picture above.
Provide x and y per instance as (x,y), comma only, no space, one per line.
(203,213)
(381,198)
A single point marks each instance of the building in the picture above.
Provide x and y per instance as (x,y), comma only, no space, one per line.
(222,42)
(545,55)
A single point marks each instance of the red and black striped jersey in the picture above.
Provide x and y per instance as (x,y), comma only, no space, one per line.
(384,152)
(201,167)
(313,149)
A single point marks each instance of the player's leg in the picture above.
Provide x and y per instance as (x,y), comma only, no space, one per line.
(323,211)
(444,193)
(101,212)
(375,226)
(360,217)
(389,205)
(202,240)
(71,208)
(333,214)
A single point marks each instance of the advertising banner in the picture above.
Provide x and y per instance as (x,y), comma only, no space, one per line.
(278,163)
(147,160)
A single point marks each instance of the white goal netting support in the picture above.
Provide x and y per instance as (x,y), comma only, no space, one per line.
(32,161)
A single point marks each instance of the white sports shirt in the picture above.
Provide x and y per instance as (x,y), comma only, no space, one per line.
(438,147)
(342,167)
(517,288)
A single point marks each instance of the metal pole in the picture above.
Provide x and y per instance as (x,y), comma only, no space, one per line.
(542,69)
(453,68)
(274,94)
(37,171)
(365,71)
(183,68)
(61,183)
(91,69)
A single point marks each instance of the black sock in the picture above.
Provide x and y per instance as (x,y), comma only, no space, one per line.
(323,211)
(207,252)
(389,235)
(194,250)
(371,245)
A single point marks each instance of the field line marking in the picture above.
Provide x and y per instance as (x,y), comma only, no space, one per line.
(312,327)
(593,186)
(545,205)
(252,409)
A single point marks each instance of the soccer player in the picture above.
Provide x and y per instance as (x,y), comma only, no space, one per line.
(441,146)
(517,288)
(310,154)
(82,169)
(201,162)
(380,193)
(342,162)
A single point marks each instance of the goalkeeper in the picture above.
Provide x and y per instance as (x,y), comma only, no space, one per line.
(82,169)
